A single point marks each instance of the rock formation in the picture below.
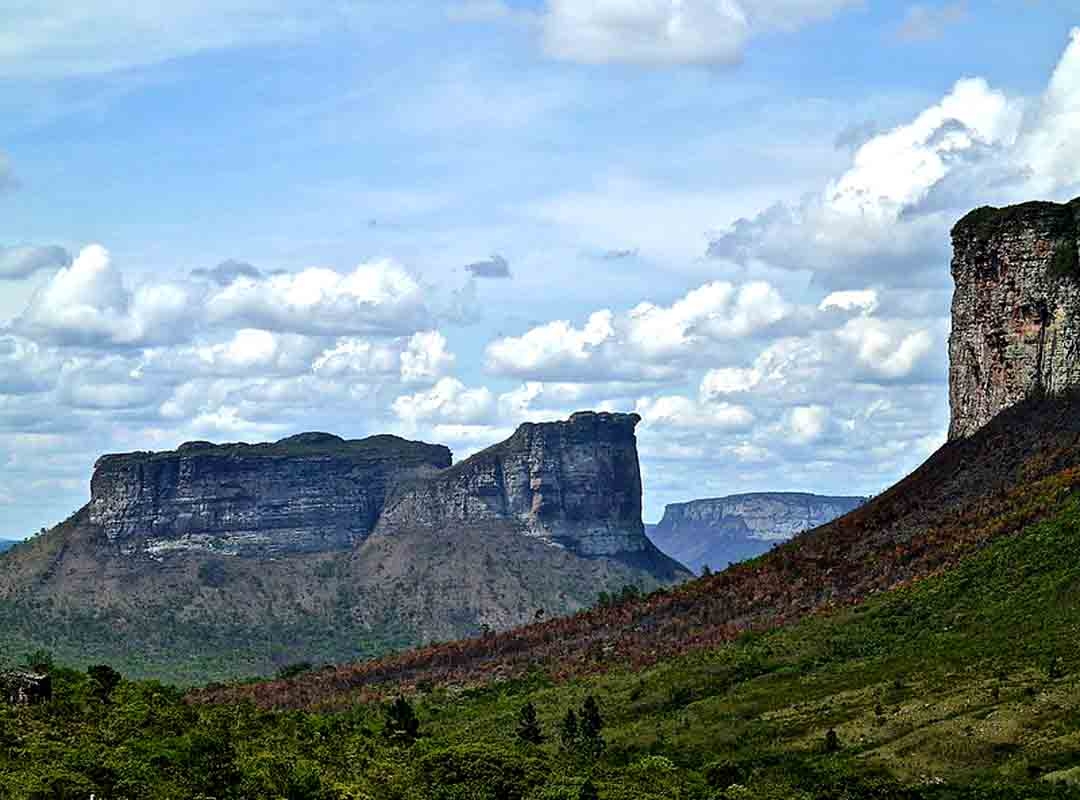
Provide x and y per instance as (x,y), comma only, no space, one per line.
(309,493)
(726,530)
(1016,309)
(221,561)
(576,484)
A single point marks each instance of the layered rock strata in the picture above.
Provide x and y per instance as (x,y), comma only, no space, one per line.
(1015,311)
(576,484)
(308,493)
(725,530)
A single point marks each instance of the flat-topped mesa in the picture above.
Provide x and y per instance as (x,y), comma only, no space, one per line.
(575,483)
(725,530)
(1016,309)
(767,516)
(307,493)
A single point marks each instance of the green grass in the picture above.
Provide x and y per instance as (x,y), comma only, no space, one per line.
(965,685)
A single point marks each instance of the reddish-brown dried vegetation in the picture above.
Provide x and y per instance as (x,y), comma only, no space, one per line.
(1015,471)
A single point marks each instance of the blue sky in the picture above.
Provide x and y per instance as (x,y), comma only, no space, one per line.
(446,218)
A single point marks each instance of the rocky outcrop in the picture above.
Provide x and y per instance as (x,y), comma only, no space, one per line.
(1016,309)
(233,560)
(726,530)
(575,484)
(309,493)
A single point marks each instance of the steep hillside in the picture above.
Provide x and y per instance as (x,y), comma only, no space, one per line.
(1013,458)
(726,530)
(1017,470)
(216,562)
(963,686)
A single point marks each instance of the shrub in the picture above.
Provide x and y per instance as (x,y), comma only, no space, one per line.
(528,727)
(402,725)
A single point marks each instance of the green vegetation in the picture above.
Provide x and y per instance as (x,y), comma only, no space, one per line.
(985,223)
(1066,262)
(963,686)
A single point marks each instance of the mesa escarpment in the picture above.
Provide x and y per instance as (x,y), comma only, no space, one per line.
(309,493)
(1016,309)
(576,484)
(725,530)
(221,561)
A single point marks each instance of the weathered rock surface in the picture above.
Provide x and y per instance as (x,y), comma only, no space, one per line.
(726,530)
(224,561)
(576,484)
(308,493)
(1016,309)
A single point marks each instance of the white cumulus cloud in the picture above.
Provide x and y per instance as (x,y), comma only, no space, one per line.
(380,297)
(645,343)
(448,401)
(88,303)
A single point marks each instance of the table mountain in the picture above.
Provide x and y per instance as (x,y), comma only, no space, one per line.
(726,530)
(234,559)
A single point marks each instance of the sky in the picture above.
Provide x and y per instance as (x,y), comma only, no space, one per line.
(236,220)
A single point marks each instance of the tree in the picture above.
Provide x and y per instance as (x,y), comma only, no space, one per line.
(402,725)
(706,570)
(588,791)
(568,731)
(528,728)
(590,727)
(832,741)
(40,661)
(104,680)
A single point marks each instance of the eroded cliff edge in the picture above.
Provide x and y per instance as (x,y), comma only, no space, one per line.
(1015,311)
(716,532)
(575,484)
(309,493)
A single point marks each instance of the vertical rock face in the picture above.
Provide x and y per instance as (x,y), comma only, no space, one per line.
(304,494)
(726,530)
(576,484)
(1016,309)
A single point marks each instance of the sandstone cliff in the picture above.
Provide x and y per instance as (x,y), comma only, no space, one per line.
(726,530)
(1016,309)
(221,561)
(308,493)
(576,484)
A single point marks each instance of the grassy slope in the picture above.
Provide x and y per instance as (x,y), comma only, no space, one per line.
(196,618)
(976,674)
(963,685)
(1018,470)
